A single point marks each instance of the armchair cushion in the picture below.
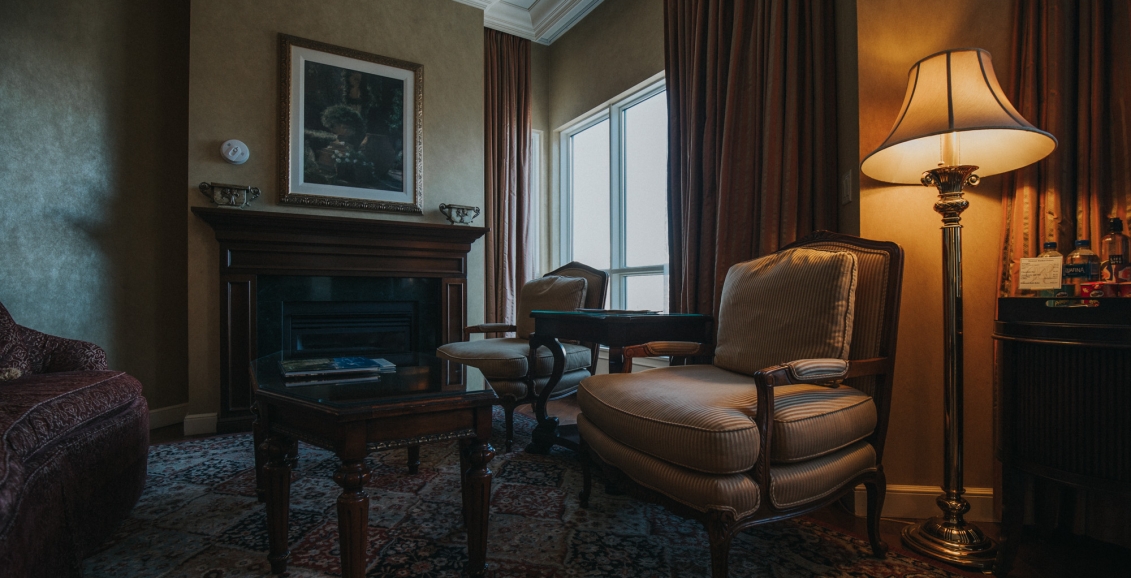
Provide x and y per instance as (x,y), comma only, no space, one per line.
(550,293)
(506,358)
(793,304)
(701,417)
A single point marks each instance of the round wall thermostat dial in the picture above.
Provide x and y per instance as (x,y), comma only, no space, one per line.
(234,151)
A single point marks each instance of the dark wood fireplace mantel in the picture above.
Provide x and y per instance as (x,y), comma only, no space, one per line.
(256,243)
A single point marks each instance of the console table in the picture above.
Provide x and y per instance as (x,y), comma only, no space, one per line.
(1063,404)
(614,330)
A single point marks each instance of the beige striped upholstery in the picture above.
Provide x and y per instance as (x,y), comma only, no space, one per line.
(796,484)
(517,388)
(817,370)
(735,492)
(790,485)
(873,269)
(549,293)
(506,358)
(701,417)
(793,304)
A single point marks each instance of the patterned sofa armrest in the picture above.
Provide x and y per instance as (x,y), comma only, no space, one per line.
(51,353)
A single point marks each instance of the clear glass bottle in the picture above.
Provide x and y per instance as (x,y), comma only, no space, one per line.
(1050,251)
(1114,253)
(1081,266)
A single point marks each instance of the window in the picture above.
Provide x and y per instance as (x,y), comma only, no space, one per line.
(614,197)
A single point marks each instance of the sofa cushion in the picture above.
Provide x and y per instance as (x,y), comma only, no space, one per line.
(40,409)
(793,304)
(506,358)
(551,293)
(13,352)
(701,417)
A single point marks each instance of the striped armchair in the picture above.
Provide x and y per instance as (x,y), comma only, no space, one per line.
(790,414)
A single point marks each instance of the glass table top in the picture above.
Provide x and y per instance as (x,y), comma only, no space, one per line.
(418,376)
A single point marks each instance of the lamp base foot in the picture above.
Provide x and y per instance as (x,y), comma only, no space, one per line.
(962,543)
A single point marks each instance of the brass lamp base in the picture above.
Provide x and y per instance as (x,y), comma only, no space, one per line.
(962,543)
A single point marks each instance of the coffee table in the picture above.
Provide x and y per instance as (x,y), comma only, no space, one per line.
(427,400)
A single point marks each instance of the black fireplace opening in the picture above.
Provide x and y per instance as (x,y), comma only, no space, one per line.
(363,327)
(312,316)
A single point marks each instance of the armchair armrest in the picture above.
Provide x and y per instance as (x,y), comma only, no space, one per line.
(816,371)
(51,353)
(487,328)
(672,348)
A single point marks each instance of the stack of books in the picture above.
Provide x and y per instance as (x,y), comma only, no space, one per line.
(334,370)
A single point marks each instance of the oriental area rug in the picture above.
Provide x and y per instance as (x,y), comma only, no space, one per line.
(199,518)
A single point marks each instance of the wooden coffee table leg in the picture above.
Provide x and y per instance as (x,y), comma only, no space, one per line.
(353,516)
(477,505)
(277,474)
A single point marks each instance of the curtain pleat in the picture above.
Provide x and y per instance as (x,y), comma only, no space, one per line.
(751,132)
(1062,82)
(506,136)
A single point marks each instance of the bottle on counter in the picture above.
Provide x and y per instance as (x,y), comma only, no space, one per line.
(1114,253)
(1081,267)
(1050,251)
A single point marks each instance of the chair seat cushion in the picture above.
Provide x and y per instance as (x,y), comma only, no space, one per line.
(506,358)
(701,417)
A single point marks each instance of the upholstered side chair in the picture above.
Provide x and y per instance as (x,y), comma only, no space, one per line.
(504,361)
(789,415)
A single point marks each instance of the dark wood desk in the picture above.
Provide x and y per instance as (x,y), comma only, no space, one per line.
(614,330)
(427,400)
(1062,403)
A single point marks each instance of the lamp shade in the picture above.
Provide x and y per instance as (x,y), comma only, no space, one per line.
(955,113)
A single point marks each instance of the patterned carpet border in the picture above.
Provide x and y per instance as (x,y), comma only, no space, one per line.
(199,518)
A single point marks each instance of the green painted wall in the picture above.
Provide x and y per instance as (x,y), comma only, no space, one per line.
(93,105)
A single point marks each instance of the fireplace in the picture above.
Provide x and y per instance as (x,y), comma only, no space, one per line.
(298,281)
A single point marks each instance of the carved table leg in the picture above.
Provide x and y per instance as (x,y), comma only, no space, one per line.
(545,434)
(277,475)
(616,359)
(353,516)
(413,459)
(477,505)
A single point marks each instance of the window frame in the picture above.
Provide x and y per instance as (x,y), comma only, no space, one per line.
(614,112)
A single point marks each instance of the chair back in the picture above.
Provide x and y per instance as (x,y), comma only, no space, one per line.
(876,313)
(598,282)
(595,293)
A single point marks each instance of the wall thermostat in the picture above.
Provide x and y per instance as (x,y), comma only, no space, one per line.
(234,151)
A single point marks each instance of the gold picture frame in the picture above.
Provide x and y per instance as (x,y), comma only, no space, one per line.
(351,130)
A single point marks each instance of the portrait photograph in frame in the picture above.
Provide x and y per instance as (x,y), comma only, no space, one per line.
(351,128)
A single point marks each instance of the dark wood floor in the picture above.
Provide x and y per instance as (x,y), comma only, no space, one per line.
(1042,555)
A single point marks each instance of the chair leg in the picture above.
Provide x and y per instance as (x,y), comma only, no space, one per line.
(877,489)
(719,534)
(586,474)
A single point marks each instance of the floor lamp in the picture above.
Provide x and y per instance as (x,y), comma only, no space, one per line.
(955,120)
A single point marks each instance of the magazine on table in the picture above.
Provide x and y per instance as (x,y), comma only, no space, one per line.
(334,379)
(325,366)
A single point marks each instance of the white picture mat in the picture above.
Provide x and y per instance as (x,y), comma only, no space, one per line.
(299,57)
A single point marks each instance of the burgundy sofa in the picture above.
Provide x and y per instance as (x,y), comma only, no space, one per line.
(74,438)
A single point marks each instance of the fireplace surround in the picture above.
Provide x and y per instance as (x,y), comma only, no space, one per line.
(380,267)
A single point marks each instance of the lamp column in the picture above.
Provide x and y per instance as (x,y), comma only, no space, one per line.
(950,537)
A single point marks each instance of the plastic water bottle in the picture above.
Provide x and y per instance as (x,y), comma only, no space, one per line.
(1081,266)
(1050,251)
(1114,253)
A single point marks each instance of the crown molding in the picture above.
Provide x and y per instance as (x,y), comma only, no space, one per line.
(544,22)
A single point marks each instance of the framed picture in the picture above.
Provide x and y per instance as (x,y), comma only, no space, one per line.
(351,128)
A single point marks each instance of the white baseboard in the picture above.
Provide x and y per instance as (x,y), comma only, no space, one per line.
(200,424)
(919,502)
(166,416)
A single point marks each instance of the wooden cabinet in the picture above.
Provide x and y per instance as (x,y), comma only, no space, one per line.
(1063,401)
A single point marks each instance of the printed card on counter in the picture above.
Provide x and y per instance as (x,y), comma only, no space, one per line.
(1041,273)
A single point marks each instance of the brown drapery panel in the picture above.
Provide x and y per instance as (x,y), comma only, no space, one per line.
(752,135)
(1062,82)
(506,138)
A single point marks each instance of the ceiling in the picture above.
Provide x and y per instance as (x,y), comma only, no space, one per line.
(542,21)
